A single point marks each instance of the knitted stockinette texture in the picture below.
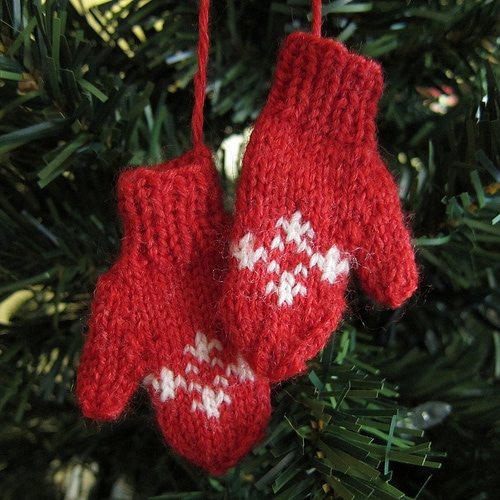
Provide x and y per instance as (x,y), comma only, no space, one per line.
(314,202)
(153,319)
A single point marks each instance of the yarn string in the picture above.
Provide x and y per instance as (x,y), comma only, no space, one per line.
(200,79)
(316,17)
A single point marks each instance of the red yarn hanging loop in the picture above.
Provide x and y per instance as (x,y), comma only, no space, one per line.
(200,79)
(316,17)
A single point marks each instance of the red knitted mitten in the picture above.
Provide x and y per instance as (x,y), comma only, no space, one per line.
(314,201)
(153,319)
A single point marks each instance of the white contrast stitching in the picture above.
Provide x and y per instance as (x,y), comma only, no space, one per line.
(209,398)
(287,284)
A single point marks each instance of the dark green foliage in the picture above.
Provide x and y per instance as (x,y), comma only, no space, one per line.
(83,94)
(451,351)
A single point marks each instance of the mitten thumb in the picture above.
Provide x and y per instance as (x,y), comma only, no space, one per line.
(110,368)
(384,256)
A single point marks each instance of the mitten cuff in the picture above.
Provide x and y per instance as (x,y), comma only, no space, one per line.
(171,208)
(319,83)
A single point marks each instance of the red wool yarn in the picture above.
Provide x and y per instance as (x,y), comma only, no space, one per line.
(153,319)
(314,202)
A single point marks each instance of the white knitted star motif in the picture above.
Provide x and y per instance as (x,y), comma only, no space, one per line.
(295,236)
(206,397)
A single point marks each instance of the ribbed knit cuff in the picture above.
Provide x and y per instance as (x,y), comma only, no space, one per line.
(320,83)
(173,208)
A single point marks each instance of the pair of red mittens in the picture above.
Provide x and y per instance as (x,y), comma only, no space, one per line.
(314,202)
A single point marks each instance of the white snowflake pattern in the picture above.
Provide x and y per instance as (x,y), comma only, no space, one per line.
(206,397)
(288,283)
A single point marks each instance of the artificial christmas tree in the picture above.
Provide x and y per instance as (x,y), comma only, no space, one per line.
(90,87)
